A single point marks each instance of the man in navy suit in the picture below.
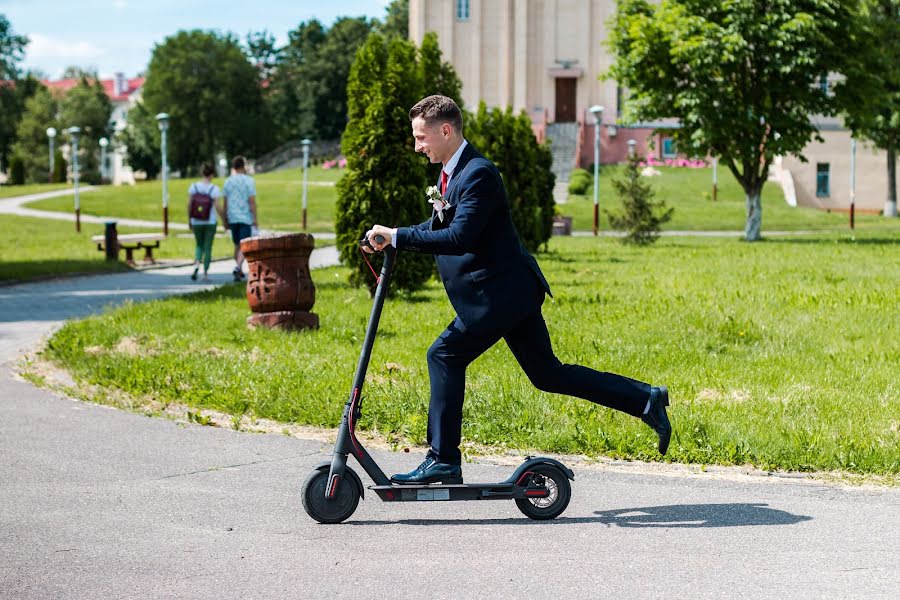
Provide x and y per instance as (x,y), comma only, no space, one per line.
(497,289)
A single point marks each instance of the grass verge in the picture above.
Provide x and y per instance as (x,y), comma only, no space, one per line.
(780,354)
(32,247)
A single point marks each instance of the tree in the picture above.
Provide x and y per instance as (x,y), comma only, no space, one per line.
(262,53)
(508,141)
(396,20)
(88,107)
(741,76)
(141,141)
(870,92)
(32,148)
(385,180)
(309,89)
(641,216)
(12,93)
(213,97)
(76,72)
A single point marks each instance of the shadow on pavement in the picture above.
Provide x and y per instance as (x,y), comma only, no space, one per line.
(677,515)
(700,515)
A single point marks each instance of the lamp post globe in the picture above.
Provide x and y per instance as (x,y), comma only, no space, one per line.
(51,135)
(103,144)
(597,111)
(305,142)
(162,120)
(74,132)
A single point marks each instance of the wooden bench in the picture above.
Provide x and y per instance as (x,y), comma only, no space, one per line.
(131,242)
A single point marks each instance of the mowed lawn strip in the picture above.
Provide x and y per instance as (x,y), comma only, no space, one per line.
(781,354)
(279,200)
(33,247)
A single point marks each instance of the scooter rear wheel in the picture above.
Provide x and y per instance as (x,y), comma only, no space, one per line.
(329,511)
(557,483)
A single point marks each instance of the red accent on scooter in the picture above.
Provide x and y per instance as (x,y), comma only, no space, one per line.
(335,480)
(521,480)
(537,493)
(352,424)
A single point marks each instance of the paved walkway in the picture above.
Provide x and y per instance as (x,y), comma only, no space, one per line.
(30,311)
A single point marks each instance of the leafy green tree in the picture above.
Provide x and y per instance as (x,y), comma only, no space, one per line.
(87,106)
(740,76)
(32,148)
(385,180)
(212,94)
(870,91)
(396,20)
(76,72)
(262,53)
(13,91)
(641,217)
(141,141)
(508,141)
(309,87)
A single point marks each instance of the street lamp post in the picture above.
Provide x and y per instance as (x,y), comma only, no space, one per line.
(163,121)
(223,167)
(73,134)
(597,111)
(715,177)
(631,145)
(103,144)
(51,135)
(852,182)
(305,143)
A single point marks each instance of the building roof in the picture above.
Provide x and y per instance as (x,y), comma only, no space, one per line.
(129,86)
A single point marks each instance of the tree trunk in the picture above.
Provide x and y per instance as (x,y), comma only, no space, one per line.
(752,230)
(890,206)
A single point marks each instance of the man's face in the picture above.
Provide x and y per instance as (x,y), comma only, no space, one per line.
(431,140)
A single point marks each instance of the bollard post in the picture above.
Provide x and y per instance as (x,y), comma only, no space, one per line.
(111,241)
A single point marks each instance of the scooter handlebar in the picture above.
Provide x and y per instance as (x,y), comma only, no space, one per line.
(365,241)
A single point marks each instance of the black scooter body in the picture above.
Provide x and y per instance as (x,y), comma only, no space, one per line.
(540,486)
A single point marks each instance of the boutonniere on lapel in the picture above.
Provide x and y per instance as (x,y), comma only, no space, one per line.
(437,201)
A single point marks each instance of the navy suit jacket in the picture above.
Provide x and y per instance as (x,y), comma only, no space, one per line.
(491,279)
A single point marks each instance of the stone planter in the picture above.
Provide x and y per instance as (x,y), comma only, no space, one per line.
(279,289)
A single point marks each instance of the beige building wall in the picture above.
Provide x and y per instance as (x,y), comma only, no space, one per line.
(871,173)
(511,52)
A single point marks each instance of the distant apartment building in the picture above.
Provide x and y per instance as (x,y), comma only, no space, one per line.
(123,93)
(546,56)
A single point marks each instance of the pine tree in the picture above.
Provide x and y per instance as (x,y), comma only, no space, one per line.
(508,141)
(641,216)
(385,181)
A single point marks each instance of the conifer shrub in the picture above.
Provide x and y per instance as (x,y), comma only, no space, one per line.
(641,217)
(580,181)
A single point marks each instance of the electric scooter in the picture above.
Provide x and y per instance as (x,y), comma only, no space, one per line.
(540,486)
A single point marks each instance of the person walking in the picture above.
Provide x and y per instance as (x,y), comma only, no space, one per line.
(203,204)
(496,288)
(240,210)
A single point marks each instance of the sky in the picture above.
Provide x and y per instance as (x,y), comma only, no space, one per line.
(118,35)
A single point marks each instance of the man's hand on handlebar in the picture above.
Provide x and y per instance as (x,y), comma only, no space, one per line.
(378,238)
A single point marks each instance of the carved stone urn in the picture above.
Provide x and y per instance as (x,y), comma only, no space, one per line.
(279,289)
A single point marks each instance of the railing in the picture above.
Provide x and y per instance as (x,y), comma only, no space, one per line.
(293,150)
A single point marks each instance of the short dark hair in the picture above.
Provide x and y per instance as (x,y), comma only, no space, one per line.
(207,170)
(238,162)
(438,109)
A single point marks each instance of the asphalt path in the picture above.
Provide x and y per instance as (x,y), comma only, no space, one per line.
(102,503)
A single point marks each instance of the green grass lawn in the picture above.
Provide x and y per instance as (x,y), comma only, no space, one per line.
(8,191)
(32,247)
(689,191)
(781,354)
(279,198)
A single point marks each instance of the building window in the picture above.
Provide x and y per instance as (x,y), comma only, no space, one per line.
(668,148)
(462,10)
(823,180)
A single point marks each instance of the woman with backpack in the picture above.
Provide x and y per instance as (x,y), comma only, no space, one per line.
(203,205)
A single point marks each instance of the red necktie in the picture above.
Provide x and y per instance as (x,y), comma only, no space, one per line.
(444,180)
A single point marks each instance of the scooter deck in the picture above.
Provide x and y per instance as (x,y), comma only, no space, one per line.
(457,491)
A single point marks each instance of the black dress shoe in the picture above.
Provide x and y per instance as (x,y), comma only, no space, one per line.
(657,418)
(430,471)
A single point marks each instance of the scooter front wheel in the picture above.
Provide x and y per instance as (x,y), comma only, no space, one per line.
(335,510)
(560,492)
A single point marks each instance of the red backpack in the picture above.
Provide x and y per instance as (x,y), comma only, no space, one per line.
(201,205)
